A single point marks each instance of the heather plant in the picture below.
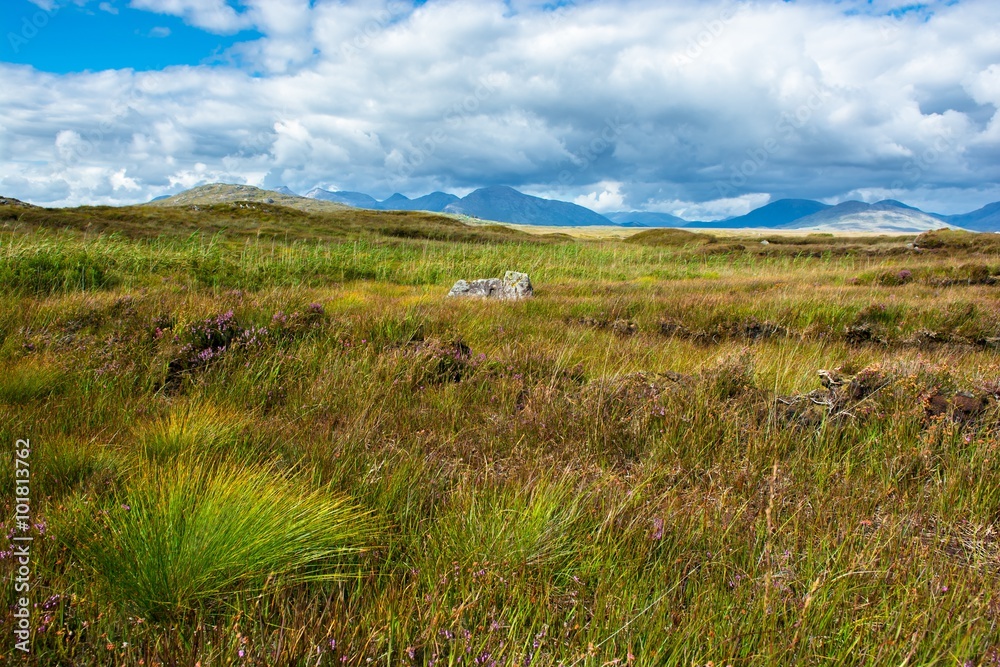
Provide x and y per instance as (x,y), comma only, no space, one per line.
(207,341)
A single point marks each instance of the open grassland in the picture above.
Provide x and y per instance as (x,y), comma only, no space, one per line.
(264,437)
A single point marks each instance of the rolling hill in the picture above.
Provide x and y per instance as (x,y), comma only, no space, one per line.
(222,193)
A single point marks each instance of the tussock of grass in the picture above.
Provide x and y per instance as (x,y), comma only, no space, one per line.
(530,526)
(66,466)
(182,537)
(191,430)
(30,380)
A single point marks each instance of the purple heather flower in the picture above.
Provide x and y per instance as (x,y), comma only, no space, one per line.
(657,529)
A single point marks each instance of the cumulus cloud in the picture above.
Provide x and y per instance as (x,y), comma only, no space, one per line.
(214,15)
(607,200)
(698,109)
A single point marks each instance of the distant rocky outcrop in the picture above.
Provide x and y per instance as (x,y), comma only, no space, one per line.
(514,286)
(10,201)
(223,193)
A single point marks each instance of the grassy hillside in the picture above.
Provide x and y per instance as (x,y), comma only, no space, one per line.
(251,219)
(225,193)
(262,436)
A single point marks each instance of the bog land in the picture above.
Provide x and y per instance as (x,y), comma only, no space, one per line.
(263,436)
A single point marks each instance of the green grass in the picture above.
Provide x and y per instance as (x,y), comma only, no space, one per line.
(184,536)
(265,437)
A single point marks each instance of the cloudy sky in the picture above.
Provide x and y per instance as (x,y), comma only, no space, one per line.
(701,109)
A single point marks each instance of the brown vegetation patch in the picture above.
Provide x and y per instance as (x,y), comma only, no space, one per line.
(749,329)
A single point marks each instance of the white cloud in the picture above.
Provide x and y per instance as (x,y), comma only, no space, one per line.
(214,15)
(119,181)
(715,209)
(607,200)
(691,108)
(159,31)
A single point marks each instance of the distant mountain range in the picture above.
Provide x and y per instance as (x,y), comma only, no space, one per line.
(884,216)
(504,204)
(775,214)
(986,219)
(646,219)
(508,205)
(434,202)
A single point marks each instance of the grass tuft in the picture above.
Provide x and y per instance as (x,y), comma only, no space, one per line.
(183,537)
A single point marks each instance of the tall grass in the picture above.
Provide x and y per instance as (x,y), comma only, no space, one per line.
(271,451)
(182,537)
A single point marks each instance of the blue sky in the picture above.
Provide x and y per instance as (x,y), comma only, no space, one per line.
(701,109)
(107,35)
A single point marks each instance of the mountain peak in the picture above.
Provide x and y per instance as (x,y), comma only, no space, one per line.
(501,203)
(892,203)
(775,214)
(887,216)
(355,199)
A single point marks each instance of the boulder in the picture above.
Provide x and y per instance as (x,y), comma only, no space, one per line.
(512,287)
